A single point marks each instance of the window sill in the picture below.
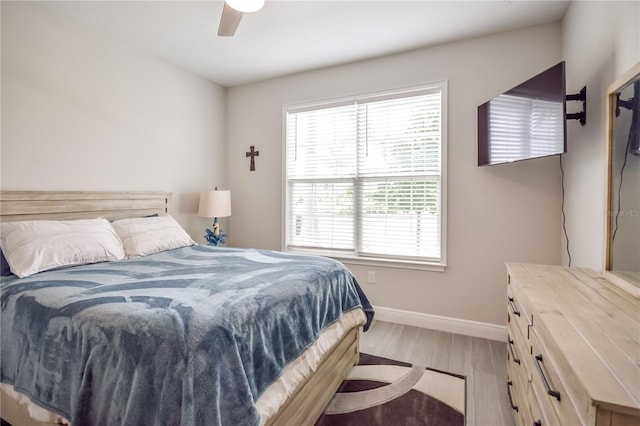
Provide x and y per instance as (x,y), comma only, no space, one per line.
(375,261)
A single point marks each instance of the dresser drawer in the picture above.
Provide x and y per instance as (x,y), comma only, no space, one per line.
(541,410)
(536,411)
(516,346)
(517,313)
(550,390)
(522,363)
(517,395)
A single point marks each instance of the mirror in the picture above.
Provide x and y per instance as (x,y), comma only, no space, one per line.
(623,248)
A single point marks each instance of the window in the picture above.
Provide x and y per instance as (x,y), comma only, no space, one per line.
(364,176)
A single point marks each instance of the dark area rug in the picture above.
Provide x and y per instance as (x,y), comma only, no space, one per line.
(384,392)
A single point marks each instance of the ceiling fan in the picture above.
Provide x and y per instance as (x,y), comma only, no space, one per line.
(232,13)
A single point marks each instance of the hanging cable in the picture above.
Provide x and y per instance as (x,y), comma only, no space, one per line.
(619,206)
(564,217)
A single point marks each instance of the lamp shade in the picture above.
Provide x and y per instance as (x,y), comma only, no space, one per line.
(246,6)
(215,204)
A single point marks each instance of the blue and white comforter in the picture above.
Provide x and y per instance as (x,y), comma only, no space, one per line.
(190,336)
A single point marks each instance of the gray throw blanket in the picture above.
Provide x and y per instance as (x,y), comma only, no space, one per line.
(191,336)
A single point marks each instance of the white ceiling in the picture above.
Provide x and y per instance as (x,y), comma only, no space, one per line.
(292,36)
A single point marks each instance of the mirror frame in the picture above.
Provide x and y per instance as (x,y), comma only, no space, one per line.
(618,84)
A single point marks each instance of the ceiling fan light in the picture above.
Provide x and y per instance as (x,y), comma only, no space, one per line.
(246,6)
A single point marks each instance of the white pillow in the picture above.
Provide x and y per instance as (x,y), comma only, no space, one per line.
(40,245)
(146,235)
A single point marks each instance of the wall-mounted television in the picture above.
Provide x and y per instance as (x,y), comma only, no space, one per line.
(525,122)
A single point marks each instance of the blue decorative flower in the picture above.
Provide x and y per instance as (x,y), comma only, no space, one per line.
(213,239)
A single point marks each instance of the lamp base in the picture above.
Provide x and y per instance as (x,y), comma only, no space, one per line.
(215,237)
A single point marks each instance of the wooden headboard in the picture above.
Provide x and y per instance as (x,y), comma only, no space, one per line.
(59,205)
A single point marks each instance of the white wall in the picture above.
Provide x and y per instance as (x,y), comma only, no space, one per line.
(495,214)
(601,41)
(84,112)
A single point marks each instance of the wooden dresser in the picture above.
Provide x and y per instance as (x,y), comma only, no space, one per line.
(573,354)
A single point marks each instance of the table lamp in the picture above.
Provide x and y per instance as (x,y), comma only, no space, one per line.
(215,204)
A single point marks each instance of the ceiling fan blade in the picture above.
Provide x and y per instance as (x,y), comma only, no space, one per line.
(229,21)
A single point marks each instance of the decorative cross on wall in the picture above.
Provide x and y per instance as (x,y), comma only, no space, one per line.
(252,154)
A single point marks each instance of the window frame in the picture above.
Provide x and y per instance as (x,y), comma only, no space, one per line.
(377,260)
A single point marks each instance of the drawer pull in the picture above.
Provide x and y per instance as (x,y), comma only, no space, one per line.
(553,393)
(537,423)
(509,384)
(512,305)
(513,353)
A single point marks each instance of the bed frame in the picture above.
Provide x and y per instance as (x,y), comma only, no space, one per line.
(307,403)
(35,205)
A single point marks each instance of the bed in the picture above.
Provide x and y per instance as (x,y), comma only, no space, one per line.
(189,335)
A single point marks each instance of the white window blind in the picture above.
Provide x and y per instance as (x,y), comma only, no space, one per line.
(522,127)
(364,176)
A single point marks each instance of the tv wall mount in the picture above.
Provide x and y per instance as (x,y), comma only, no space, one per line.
(628,104)
(582,115)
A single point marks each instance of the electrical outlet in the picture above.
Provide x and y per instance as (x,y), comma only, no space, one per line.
(372,277)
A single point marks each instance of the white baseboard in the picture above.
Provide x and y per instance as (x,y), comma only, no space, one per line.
(436,322)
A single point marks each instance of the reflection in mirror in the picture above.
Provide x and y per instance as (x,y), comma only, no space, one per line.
(624,182)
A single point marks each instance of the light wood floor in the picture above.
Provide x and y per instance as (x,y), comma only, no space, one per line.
(482,361)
